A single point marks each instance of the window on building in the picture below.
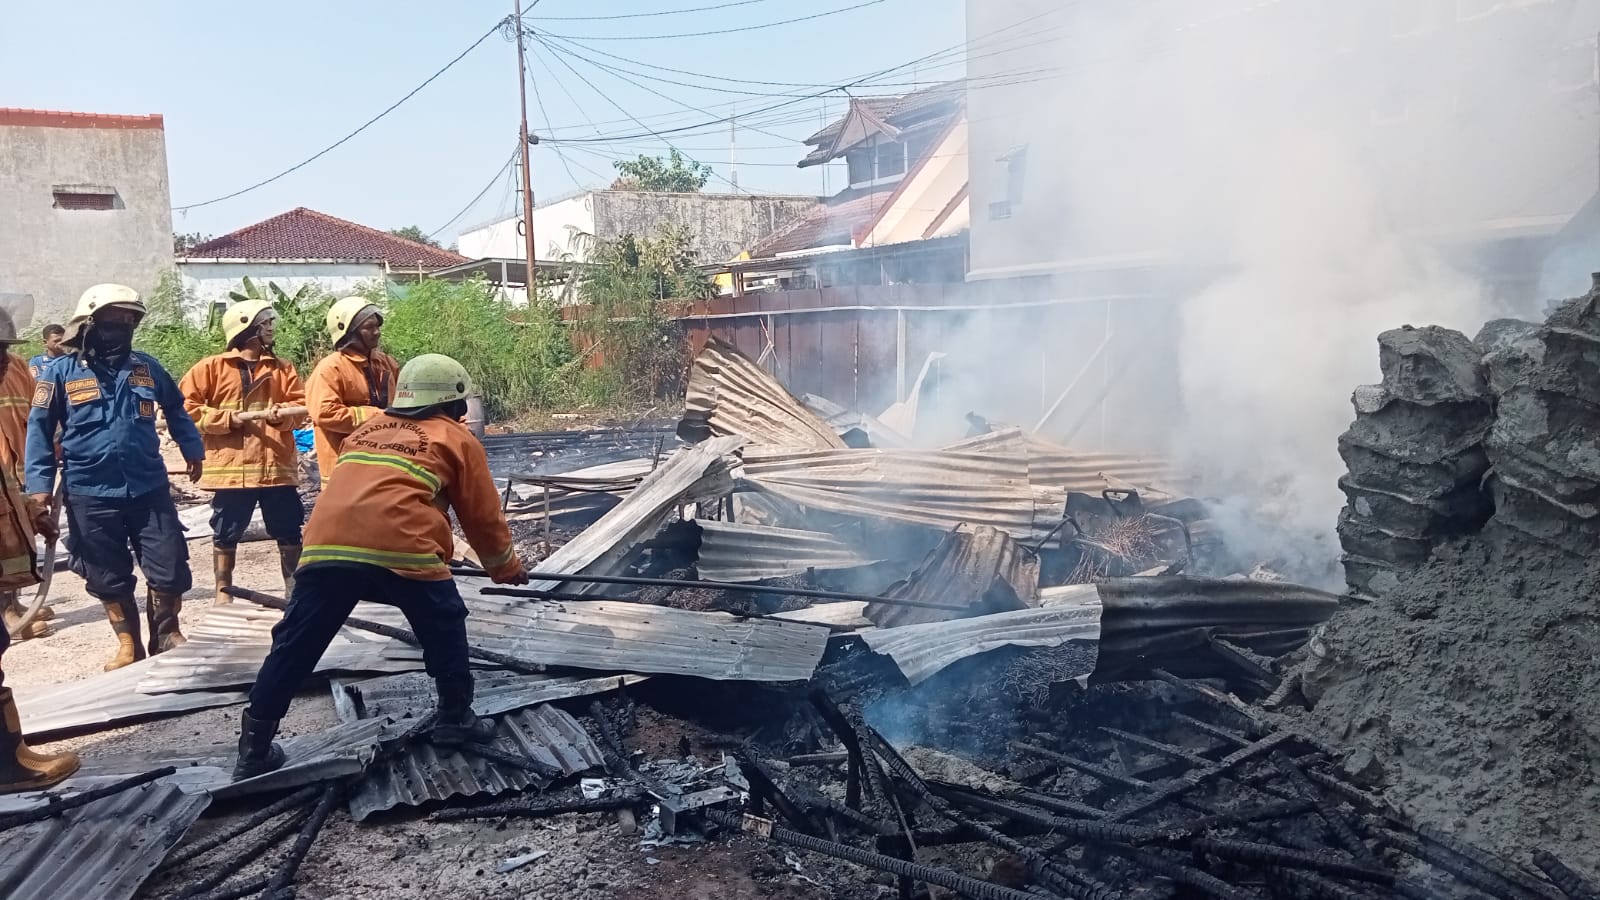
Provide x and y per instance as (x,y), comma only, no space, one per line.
(891,159)
(1000,209)
(919,146)
(860,163)
(84,197)
(1016,163)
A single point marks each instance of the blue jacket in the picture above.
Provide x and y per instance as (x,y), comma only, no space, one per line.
(37,364)
(107,419)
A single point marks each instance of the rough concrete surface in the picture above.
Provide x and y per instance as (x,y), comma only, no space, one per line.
(1477,684)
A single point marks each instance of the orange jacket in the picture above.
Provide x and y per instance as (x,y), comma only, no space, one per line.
(398,478)
(345,390)
(244,454)
(16,395)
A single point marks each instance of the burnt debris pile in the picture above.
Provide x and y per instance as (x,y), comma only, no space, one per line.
(1001,668)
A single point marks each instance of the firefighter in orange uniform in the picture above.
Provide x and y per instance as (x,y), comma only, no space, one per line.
(249,463)
(381,531)
(21,769)
(16,395)
(353,383)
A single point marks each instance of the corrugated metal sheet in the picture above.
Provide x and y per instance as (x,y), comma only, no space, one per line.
(1171,615)
(741,552)
(580,488)
(845,613)
(102,851)
(728,394)
(105,700)
(344,749)
(494,692)
(842,420)
(426,773)
(922,650)
(606,636)
(227,646)
(980,566)
(692,473)
(936,488)
(1062,469)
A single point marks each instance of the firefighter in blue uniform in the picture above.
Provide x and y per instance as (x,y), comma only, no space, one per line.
(103,397)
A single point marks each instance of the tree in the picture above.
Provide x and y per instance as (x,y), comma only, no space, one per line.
(183,243)
(675,173)
(413,233)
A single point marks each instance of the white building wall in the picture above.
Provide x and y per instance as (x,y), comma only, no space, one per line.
(207,283)
(553,228)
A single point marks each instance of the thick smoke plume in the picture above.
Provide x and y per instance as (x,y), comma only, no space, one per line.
(1324,168)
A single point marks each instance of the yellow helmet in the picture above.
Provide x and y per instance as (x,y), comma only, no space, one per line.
(344,314)
(429,380)
(243,314)
(101,296)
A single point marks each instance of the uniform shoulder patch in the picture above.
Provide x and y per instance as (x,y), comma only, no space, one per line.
(82,390)
(43,393)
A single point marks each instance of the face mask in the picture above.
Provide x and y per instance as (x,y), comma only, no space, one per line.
(111,338)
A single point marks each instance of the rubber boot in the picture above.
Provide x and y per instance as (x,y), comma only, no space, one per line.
(456,723)
(38,628)
(163,609)
(124,616)
(22,769)
(222,566)
(258,752)
(288,562)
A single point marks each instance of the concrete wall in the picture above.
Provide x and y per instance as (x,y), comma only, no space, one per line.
(206,283)
(721,224)
(54,254)
(1170,116)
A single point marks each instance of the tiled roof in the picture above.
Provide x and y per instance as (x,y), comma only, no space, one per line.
(829,225)
(307,234)
(50,118)
(904,109)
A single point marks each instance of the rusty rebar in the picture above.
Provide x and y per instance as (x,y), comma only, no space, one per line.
(1267,854)
(536,808)
(513,760)
(846,733)
(230,867)
(238,891)
(691,583)
(1445,861)
(1341,825)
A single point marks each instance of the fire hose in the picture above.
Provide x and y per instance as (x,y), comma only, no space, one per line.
(46,569)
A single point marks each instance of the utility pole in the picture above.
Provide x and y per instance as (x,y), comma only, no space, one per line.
(733,145)
(527,169)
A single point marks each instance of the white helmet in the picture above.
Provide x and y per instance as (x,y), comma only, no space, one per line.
(101,296)
(429,380)
(240,316)
(345,314)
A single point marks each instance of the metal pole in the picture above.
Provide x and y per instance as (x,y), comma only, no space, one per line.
(527,169)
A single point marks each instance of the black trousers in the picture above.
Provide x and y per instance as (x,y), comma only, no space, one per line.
(107,532)
(324,595)
(281,511)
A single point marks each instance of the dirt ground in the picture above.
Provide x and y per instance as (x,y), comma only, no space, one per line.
(405,855)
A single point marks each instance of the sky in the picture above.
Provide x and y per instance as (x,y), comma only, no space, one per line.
(248,90)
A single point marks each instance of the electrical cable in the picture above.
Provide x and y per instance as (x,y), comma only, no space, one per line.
(368,124)
(647,15)
(474,201)
(692,34)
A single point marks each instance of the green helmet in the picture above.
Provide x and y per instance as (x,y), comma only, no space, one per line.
(429,380)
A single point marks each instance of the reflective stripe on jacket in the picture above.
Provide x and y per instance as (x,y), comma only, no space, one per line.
(345,390)
(389,506)
(107,418)
(244,454)
(16,393)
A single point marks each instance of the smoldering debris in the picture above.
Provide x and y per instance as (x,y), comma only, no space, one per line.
(1050,681)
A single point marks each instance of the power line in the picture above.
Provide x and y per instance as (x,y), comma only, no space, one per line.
(604,96)
(690,34)
(368,124)
(474,201)
(647,15)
